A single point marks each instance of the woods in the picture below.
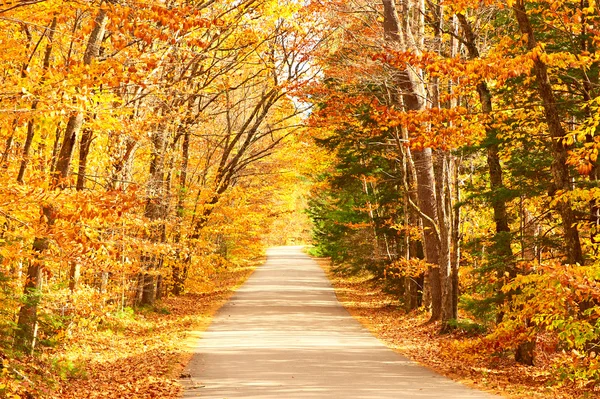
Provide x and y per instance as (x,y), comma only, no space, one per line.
(145,149)
(465,167)
(447,149)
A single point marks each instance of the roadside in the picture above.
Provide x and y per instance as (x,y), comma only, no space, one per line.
(451,355)
(142,354)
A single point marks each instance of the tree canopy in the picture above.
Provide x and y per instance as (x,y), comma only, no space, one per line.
(445,148)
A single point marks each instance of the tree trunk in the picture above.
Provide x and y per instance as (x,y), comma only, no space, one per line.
(154,211)
(34,105)
(454,206)
(559,167)
(27,146)
(67,148)
(7,149)
(149,289)
(104,282)
(453,186)
(74,275)
(55,150)
(121,162)
(139,289)
(180,268)
(413,295)
(180,272)
(26,324)
(159,287)
(412,97)
(524,353)
(76,119)
(27,321)
(412,248)
(445,238)
(427,204)
(501,250)
(84,150)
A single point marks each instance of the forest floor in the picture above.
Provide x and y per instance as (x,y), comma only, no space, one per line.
(139,354)
(451,355)
(142,354)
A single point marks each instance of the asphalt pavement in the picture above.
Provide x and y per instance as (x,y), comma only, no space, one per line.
(285,335)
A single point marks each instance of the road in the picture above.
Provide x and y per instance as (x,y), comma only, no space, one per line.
(285,335)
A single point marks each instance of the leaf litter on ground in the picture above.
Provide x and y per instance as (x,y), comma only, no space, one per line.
(455,355)
(143,354)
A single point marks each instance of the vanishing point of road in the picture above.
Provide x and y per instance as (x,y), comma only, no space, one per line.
(284,335)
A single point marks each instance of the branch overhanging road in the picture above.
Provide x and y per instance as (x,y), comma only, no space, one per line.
(285,335)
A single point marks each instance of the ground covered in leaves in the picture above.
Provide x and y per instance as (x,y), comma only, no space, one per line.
(454,355)
(130,354)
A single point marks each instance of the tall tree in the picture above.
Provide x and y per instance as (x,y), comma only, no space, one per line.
(413,96)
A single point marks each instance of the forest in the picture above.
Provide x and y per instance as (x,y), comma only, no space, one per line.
(151,151)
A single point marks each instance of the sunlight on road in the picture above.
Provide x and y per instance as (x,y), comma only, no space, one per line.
(285,335)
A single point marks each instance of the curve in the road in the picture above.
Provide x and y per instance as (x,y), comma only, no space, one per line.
(285,335)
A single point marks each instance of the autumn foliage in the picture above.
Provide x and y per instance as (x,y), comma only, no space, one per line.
(464,171)
(146,149)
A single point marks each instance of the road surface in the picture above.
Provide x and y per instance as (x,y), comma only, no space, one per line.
(284,335)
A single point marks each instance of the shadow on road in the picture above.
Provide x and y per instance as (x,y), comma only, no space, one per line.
(285,335)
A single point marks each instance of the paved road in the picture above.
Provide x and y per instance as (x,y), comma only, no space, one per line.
(284,335)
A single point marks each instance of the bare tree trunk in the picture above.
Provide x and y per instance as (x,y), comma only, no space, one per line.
(73,127)
(371,213)
(453,206)
(412,98)
(443,219)
(159,287)
(27,146)
(148,285)
(445,236)
(26,323)
(559,167)
(427,205)
(139,289)
(121,162)
(412,247)
(104,282)
(502,250)
(181,265)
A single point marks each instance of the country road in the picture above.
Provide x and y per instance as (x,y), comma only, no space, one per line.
(285,335)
